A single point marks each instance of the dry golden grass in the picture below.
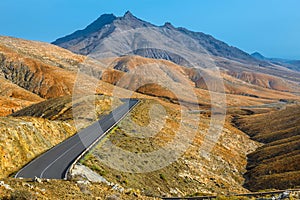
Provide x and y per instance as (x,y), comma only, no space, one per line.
(69,190)
(63,108)
(30,132)
(22,139)
(191,173)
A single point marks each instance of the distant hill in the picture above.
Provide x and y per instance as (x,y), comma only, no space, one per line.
(258,56)
(290,64)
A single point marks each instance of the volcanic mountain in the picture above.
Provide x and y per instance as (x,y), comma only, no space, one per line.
(139,35)
(111,36)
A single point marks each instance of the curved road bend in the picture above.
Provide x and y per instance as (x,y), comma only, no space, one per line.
(55,163)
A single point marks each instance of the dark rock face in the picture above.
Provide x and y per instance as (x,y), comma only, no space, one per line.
(90,29)
(131,21)
(258,56)
(17,73)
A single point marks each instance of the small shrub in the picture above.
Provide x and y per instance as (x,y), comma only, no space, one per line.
(125,181)
(162,176)
(21,195)
(98,169)
(231,198)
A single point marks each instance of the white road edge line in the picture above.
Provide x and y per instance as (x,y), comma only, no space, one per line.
(81,155)
(97,140)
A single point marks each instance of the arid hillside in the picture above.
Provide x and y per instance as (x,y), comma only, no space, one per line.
(165,79)
(31,131)
(267,81)
(149,129)
(31,72)
(45,100)
(22,139)
(37,67)
(275,165)
(13,97)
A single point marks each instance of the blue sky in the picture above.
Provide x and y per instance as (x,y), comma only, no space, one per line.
(271,27)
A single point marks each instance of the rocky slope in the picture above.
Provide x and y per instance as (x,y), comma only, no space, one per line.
(34,67)
(60,189)
(88,40)
(22,139)
(31,131)
(144,132)
(275,164)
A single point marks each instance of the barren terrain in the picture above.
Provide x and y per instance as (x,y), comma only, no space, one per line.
(44,101)
(275,165)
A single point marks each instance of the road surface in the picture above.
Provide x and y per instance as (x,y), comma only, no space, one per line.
(55,163)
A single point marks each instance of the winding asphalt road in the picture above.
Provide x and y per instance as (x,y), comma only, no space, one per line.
(56,162)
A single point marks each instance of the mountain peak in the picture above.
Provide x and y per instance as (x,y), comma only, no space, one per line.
(101,21)
(257,55)
(130,21)
(128,15)
(92,28)
(168,25)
